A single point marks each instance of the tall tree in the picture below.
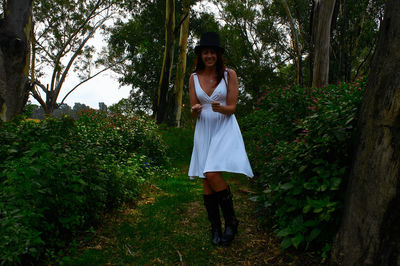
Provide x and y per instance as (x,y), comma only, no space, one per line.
(369,234)
(15,36)
(296,44)
(181,65)
(62,44)
(322,19)
(354,38)
(139,41)
(165,77)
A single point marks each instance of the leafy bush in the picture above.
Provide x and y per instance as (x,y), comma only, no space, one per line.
(299,144)
(58,176)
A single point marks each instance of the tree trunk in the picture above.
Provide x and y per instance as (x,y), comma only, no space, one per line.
(296,44)
(370,230)
(323,11)
(15,31)
(181,66)
(163,87)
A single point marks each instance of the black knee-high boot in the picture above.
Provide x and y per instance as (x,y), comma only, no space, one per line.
(231,223)
(212,207)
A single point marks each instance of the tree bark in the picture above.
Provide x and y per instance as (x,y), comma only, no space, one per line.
(181,66)
(15,32)
(296,44)
(322,19)
(163,87)
(370,230)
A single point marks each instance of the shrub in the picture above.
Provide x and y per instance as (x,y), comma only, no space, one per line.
(58,176)
(300,143)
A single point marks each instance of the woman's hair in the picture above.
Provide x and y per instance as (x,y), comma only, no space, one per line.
(220,65)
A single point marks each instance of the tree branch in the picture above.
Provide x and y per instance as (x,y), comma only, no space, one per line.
(89,78)
(65,72)
(60,53)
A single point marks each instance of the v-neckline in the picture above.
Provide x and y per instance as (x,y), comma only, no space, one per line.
(209,96)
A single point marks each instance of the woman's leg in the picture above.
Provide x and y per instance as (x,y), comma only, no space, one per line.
(224,198)
(215,181)
(207,190)
(212,207)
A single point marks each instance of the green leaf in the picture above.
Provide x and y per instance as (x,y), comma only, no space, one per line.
(318,210)
(287,186)
(296,241)
(307,208)
(302,168)
(287,242)
(314,233)
(283,232)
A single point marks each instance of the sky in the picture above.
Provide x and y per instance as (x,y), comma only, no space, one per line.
(104,87)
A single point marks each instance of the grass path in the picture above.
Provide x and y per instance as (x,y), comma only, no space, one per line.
(169,226)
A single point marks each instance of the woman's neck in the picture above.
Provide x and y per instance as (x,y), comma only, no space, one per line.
(209,70)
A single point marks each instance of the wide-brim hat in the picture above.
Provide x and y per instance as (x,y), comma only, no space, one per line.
(209,39)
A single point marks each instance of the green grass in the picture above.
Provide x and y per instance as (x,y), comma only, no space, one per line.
(179,145)
(159,231)
(169,226)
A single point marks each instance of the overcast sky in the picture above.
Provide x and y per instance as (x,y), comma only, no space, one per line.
(104,87)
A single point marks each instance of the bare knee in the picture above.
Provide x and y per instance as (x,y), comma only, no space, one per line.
(207,190)
(215,180)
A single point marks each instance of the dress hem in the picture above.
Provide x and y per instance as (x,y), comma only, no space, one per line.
(233,172)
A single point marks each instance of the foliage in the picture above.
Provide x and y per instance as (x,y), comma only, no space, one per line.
(37,112)
(58,176)
(141,41)
(300,146)
(61,45)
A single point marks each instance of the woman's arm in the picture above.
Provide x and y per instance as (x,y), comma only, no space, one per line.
(231,97)
(195,109)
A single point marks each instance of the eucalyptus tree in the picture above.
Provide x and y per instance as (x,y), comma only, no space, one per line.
(322,20)
(354,37)
(141,40)
(369,234)
(60,43)
(181,64)
(15,36)
(257,44)
(166,69)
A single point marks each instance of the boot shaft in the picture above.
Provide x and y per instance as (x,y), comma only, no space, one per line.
(212,207)
(225,200)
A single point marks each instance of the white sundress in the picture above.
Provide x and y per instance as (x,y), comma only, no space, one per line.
(218,144)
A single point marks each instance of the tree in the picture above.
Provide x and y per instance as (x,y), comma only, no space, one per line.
(255,47)
(125,107)
(15,36)
(355,25)
(61,44)
(181,65)
(296,44)
(138,42)
(322,19)
(163,85)
(369,234)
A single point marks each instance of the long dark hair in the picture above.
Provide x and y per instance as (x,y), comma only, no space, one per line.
(220,65)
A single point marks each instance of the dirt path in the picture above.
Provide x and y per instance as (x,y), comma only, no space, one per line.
(168,226)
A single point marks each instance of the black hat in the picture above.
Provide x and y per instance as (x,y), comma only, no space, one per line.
(209,39)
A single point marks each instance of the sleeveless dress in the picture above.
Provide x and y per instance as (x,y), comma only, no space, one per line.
(218,144)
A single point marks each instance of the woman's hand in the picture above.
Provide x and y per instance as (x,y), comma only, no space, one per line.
(196,110)
(216,107)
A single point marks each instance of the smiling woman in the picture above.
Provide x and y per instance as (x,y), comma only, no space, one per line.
(218,143)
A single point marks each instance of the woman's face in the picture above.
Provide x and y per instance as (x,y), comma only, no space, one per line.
(209,57)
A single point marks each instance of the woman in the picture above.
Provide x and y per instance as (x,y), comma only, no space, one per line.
(218,143)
